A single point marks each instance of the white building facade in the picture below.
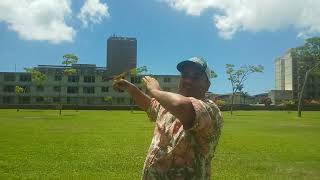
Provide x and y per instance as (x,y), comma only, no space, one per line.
(88,87)
(287,79)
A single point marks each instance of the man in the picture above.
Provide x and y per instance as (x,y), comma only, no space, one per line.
(187,125)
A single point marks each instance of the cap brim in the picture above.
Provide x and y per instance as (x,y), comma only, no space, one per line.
(182,64)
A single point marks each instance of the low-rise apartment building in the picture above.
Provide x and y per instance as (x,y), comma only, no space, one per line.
(89,86)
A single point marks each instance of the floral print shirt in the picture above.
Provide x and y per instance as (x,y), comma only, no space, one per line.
(176,153)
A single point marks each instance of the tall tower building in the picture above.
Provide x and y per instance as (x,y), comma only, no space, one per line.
(121,54)
(285,72)
(287,77)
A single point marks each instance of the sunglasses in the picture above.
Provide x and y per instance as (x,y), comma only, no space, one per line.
(193,76)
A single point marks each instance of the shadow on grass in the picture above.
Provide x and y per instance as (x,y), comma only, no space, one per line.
(68,115)
(31,110)
(246,115)
(138,112)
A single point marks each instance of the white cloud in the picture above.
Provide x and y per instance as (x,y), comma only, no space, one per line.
(232,16)
(93,11)
(42,20)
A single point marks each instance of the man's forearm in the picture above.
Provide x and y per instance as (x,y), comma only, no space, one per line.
(180,106)
(142,99)
(167,99)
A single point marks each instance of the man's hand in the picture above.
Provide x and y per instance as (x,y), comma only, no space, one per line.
(151,84)
(121,85)
(179,106)
(139,97)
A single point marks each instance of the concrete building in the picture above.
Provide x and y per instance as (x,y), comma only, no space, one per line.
(278,96)
(121,54)
(287,78)
(237,98)
(89,86)
(285,68)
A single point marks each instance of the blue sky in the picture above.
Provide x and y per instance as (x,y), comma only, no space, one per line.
(167,31)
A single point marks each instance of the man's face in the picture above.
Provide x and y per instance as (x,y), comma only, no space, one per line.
(193,82)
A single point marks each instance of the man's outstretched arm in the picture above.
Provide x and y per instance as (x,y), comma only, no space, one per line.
(142,99)
(178,105)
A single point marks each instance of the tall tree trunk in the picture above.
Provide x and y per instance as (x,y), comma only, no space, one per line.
(232,99)
(301,93)
(303,87)
(77,103)
(18,108)
(60,103)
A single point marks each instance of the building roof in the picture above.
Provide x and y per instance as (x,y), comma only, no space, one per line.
(114,37)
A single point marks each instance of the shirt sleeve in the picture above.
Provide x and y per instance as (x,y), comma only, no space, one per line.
(153,109)
(208,119)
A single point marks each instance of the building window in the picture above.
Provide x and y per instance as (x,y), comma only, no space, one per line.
(56,88)
(72,90)
(9,77)
(25,77)
(40,88)
(8,99)
(89,79)
(24,100)
(72,100)
(39,99)
(167,79)
(26,89)
(89,71)
(132,101)
(68,100)
(90,100)
(55,99)
(120,100)
(9,89)
(57,77)
(88,90)
(106,78)
(104,89)
(73,78)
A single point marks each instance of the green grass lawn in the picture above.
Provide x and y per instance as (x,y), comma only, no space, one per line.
(38,144)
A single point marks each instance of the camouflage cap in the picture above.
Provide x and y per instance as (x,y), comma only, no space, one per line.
(196,61)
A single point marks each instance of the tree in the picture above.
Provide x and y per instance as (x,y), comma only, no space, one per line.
(245,95)
(68,59)
(36,76)
(19,90)
(238,77)
(288,105)
(138,71)
(220,103)
(308,60)
(213,74)
(134,72)
(267,102)
(108,100)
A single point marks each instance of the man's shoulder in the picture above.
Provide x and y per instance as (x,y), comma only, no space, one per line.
(214,110)
(211,104)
